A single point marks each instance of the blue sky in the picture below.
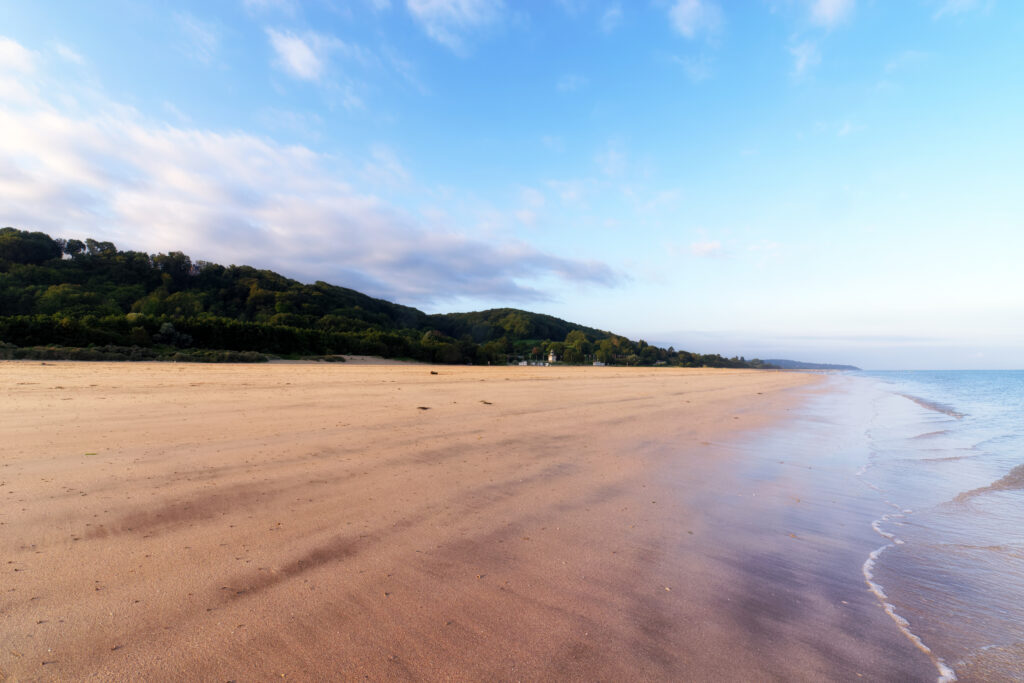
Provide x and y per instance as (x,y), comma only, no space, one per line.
(835,180)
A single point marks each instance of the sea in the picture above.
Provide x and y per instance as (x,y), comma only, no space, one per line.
(943,451)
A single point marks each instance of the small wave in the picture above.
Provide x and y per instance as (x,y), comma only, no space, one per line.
(934,405)
(1004,548)
(946,458)
(929,435)
(946,673)
(1011,481)
(999,440)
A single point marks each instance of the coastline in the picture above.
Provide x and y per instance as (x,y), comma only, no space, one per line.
(321,521)
(945,459)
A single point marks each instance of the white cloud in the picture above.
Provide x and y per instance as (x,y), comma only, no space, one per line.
(532,198)
(805,56)
(405,68)
(905,61)
(15,63)
(67,54)
(571,82)
(611,160)
(306,56)
(239,198)
(384,168)
(764,247)
(285,6)
(571,191)
(295,55)
(953,7)
(553,142)
(178,114)
(532,201)
(447,21)
(848,128)
(696,69)
(200,40)
(830,13)
(661,199)
(693,17)
(611,18)
(708,248)
(573,7)
(14,57)
(302,125)
(526,216)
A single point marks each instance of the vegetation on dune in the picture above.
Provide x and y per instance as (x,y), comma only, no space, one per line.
(89,300)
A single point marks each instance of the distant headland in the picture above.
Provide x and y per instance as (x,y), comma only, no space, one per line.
(784,364)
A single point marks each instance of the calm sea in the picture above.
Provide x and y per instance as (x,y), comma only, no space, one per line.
(944,452)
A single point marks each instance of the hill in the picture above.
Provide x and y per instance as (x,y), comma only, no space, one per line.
(107,303)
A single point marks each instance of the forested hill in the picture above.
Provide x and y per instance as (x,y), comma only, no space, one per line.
(91,295)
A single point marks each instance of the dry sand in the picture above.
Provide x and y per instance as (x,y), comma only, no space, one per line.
(311,522)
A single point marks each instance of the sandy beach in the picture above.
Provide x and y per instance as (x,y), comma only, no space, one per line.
(411,522)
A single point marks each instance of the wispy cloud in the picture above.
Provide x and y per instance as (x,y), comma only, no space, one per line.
(831,13)
(67,54)
(571,82)
(953,7)
(304,125)
(17,65)
(285,6)
(611,18)
(697,69)
(199,40)
(611,160)
(531,202)
(238,198)
(572,7)
(571,192)
(906,60)
(306,56)
(692,18)
(178,114)
(15,58)
(449,21)
(848,128)
(405,68)
(384,168)
(296,56)
(553,142)
(805,57)
(707,248)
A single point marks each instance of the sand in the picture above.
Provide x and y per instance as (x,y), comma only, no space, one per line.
(310,522)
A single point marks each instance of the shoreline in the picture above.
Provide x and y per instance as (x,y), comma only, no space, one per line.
(944,452)
(322,520)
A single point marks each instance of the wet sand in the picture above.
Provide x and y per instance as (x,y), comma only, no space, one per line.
(311,522)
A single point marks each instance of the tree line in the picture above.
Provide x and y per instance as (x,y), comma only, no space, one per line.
(74,294)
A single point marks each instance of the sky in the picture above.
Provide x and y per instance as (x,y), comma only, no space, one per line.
(824,180)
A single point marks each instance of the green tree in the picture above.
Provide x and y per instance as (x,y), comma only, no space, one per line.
(516,324)
(95,248)
(177,266)
(19,246)
(74,248)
